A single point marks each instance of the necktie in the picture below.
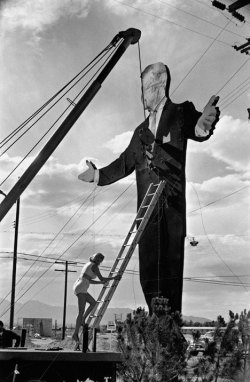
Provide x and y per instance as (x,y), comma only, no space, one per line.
(152,122)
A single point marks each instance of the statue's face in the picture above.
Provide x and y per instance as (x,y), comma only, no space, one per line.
(154,79)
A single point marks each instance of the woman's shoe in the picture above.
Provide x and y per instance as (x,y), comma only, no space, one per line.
(77,346)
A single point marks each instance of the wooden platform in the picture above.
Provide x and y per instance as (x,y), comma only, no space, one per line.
(57,366)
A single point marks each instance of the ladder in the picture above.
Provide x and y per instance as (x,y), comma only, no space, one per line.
(147,206)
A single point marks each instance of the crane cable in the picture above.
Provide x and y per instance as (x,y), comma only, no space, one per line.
(16,130)
(56,119)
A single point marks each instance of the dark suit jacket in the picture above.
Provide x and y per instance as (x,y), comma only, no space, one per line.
(161,247)
(177,124)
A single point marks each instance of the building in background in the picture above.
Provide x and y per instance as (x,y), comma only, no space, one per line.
(42,326)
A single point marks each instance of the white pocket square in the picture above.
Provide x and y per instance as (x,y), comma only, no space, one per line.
(166,139)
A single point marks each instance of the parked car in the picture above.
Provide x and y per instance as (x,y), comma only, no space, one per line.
(195,347)
(111,327)
(208,336)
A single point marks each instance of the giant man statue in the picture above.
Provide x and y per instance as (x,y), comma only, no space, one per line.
(157,151)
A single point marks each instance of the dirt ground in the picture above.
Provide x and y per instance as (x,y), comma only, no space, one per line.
(105,342)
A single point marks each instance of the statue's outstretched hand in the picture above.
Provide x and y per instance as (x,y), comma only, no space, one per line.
(89,174)
(209,115)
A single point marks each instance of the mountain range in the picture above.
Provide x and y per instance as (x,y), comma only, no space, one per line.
(37,309)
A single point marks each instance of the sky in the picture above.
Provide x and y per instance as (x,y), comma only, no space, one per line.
(44,44)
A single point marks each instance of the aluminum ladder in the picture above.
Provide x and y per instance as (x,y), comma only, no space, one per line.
(133,237)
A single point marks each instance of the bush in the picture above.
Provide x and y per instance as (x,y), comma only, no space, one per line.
(152,347)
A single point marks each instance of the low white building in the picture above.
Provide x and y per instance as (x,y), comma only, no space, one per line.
(43,326)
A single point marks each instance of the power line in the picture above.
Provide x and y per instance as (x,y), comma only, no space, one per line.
(58,233)
(52,260)
(224,283)
(217,254)
(199,18)
(25,273)
(218,200)
(73,243)
(235,91)
(80,264)
(237,71)
(169,21)
(229,103)
(200,58)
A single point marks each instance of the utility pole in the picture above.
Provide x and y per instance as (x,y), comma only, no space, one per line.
(13,288)
(65,291)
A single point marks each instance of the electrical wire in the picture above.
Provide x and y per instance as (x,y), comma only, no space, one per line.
(169,21)
(52,260)
(232,76)
(232,94)
(25,273)
(214,250)
(58,233)
(199,18)
(218,200)
(71,245)
(200,58)
(88,199)
(234,99)
(242,84)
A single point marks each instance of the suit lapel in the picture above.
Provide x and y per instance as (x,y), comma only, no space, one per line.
(163,130)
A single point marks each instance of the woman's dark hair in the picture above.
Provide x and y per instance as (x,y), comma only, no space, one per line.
(93,257)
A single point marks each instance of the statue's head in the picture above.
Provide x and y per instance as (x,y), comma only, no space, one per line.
(155,84)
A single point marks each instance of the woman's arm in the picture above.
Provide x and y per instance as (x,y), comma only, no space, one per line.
(96,270)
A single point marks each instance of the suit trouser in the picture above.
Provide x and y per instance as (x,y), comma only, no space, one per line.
(161,257)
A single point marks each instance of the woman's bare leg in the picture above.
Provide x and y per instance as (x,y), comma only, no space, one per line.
(92,303)
(82,298)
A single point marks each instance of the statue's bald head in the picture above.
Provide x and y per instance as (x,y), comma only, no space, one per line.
(155,84)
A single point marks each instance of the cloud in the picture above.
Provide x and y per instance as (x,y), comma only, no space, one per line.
(229,144)
(119,143)
(223,190)
(125,9)
(216,258)
(39,14)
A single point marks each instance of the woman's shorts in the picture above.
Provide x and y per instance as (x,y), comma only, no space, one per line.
(81,286)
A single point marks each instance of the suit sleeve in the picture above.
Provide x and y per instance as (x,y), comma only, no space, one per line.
(121,167)
(191,116)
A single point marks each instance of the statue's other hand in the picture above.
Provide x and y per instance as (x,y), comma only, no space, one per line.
(209,115)
(89,174)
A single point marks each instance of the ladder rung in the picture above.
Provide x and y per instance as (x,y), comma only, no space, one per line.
(147,208)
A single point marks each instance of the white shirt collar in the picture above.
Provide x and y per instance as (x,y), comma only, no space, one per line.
(160,105)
